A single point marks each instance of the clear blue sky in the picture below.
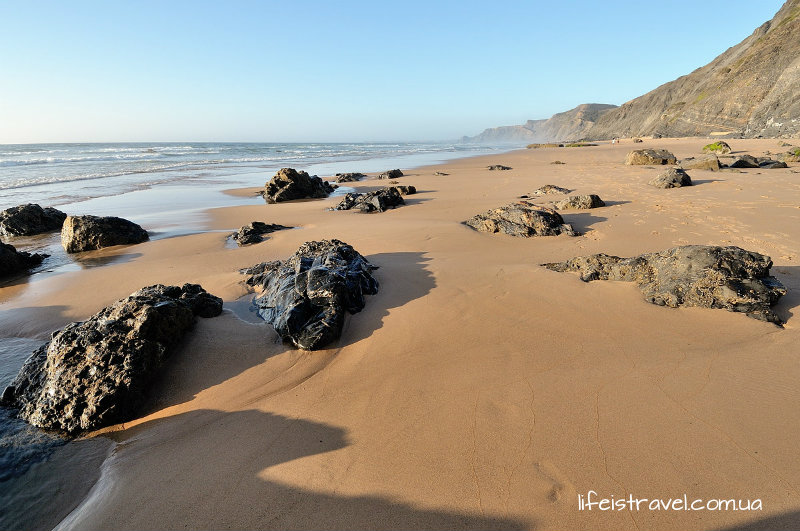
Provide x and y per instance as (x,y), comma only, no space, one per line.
(73,71)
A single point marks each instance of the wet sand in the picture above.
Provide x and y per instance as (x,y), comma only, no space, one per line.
(477,389)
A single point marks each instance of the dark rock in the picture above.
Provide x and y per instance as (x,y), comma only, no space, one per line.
(13,261)
(254,232)
(769,164)
(717,147)
(672,178)
(745,161)
(705,162)
(691,275)
(30,219)
(377,201)
(441,173)
(637,140)
(499,167)
(391,174)
(97,372)
(406,189)
(84,233)
(349,177)
(305,297)
(650,156)
(521,219)
(289,184)
(557,162)
(580,202)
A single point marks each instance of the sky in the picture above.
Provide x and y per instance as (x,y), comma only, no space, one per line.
(298,71)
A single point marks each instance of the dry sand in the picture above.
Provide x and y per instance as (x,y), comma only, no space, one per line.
(477,389)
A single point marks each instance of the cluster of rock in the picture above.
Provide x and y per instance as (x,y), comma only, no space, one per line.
(349,177)
(498,167)
(579,202)
(30,219)
(749,161)
(85,233)
(97,372)
(521,219)
(792,155)
(289,184)
(13,262)
(391,174)
(255,231)
(657,157)
(305,297)
(672,178)
(693,275)
(376,201)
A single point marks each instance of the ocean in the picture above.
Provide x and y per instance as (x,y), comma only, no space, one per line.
(165,187)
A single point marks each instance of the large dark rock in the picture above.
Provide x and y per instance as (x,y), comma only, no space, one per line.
(767,163)
(672,178)
(704,162)
(745,161)
(376,201)
(85,233)
(579,202)
(255,231)
(26,220)
(289,184)
(305,297)
(658,157)
(691,275)
(349,177)
(13,261)
(521,219)
(500,167)
(97,372)
(391,174)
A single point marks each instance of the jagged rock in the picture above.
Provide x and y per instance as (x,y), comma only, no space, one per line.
(692,275)
(769,164)
(547,189)
(637,140)
(391,174)
(13,261)
(717,147)
(377,201)
(30,219)
(745,161)
(499,167)
(97,372)
(521,219)
(783,143)
(406,189)
(84,233)
(441,173)
(254,232)
(672,178)
(650,156)
(557,162)
(706,162)
(305,297)
(289,184)
(349,177)
(581,202)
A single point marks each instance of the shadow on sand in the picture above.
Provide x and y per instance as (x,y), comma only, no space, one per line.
(211,469)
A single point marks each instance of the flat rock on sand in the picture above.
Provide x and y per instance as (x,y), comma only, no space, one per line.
(658,157)
(580,202)
(255,231)
(375,201)
(305,297)
(521,219)
(86,233)
(96,373)
(672,178)
(547,189)
(704,162)
(30,219)
(693,275)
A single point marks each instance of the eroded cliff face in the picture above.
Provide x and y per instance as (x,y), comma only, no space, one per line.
(752,89)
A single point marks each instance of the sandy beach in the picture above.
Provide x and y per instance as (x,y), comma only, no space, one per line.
(477,389)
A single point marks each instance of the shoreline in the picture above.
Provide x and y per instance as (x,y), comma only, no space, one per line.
(443,404)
